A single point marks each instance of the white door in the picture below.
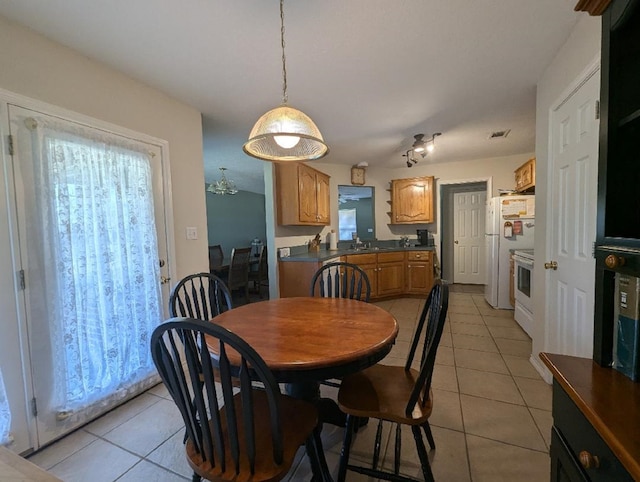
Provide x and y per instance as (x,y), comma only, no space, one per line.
(468,234)
(572,221)
(92,234)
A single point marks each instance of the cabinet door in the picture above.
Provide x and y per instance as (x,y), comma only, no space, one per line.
(323,202)
(418,279)
(526,175)
(372,273)
(564,468)
(390,278)
(307,189)
(412,200)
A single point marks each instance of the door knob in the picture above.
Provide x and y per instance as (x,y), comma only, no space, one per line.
(455,242)
(551,265)
(613,261)
(164,280)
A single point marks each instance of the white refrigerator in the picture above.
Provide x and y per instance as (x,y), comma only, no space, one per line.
(509,225)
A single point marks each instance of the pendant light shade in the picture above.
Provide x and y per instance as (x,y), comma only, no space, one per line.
(284,133)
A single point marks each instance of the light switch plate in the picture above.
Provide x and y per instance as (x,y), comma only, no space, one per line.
(192,233)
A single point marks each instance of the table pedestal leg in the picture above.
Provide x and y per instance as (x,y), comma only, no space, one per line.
(328,409)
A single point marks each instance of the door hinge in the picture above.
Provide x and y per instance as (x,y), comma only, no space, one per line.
(597,109)
(34,407)
(21,280)
(10,144)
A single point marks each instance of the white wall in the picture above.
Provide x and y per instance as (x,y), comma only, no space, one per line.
(581,49)
(35,67)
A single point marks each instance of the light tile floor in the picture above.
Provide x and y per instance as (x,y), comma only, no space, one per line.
(491,420)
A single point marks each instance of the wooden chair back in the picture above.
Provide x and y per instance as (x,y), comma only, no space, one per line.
(341,280)
(202,296)
(260,277)
(239,268)
(234,431)
(215,257)
(427,338)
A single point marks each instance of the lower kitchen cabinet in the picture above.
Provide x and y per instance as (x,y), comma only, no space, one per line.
(419,272)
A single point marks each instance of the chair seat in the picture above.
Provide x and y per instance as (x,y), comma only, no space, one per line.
(382,391)
(298,420)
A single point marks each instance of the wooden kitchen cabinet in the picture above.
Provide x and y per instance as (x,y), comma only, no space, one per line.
(419,272)
(526,176)
(385,271)
(302,194)
(390,274)
(412,200)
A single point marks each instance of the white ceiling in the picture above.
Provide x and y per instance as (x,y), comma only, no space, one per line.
(370,73)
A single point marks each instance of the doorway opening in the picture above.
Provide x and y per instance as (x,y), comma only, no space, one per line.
(447,194)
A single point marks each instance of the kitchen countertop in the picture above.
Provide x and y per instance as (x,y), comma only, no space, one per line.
(325,254)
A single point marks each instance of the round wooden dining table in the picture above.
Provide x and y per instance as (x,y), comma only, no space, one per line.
(313,339)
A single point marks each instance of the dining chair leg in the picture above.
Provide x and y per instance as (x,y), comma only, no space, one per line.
(195,478)
(422,454)
(376,446)
(427,431)
(398,450)
(346,447)
(318,462)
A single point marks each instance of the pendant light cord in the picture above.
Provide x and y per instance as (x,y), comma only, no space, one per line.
(285,97)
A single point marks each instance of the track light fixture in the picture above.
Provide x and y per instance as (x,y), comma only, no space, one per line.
(420,146)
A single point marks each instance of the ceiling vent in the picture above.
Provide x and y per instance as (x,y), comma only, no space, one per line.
(499,134)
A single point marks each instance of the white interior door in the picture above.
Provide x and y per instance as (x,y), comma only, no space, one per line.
(91,233)
(572,221)
(469,240)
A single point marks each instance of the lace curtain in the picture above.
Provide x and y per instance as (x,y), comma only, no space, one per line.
(5,414)
(90,208)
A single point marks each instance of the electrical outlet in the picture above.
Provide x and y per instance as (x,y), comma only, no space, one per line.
(285,252)
(192,233)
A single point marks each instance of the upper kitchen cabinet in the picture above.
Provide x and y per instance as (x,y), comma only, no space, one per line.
(412,200)
(526,176)
(302,196)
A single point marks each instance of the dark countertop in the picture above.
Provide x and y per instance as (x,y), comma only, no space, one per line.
(325,254)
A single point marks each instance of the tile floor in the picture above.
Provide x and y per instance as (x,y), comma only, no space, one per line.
(491,420)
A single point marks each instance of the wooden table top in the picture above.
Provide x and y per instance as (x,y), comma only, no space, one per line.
(15,468)
(316,337)
(607,398)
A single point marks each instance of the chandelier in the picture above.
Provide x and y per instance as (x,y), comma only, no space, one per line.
(285,133)
(223,186)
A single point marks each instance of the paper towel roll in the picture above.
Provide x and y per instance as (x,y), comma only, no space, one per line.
(333,241)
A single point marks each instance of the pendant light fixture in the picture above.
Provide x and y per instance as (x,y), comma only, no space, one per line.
(285,133)
(223,186)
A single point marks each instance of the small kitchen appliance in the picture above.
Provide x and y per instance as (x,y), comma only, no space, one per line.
(424,237)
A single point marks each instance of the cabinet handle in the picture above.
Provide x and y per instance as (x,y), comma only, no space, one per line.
(613,261)
(589,461)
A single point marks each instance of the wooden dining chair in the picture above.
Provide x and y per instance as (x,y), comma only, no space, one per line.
(215,258)
(238,276)
(400,395)
(260,276)
(234,430)
(341,280)
(202,296)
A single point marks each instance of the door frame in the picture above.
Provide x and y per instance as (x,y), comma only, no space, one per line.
(11,279)
(444,240)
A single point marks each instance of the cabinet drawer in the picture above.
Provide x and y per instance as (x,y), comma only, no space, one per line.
(361,258)
(390,257)
(580,436)
(424,256)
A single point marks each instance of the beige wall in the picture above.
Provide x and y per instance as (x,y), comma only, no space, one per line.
(500,170)
(573,59)
(37,68)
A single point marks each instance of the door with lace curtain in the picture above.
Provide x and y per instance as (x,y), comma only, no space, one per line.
(93,247)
